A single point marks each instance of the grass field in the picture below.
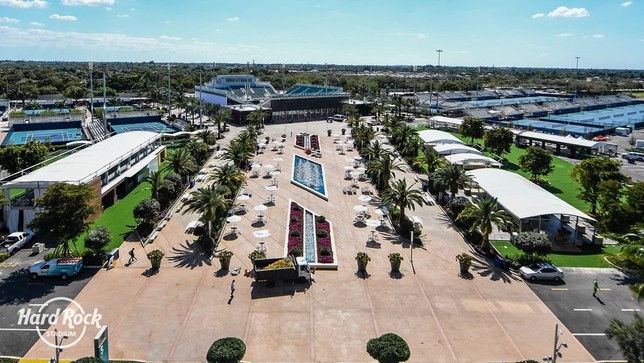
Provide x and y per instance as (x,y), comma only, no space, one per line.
(590,256)
(638,94)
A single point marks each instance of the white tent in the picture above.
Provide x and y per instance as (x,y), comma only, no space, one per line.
(521,197)
(448,149)
(470,159)
(438,137)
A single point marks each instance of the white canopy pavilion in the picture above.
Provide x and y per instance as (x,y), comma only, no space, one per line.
(449,149)
(472,161)
(438,137)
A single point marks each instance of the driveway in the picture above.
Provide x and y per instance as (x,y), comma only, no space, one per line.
(17,291)
(586,316)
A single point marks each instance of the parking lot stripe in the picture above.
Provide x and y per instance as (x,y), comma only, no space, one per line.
(582,309)
(630,309)
(589,334)
(559,289)
(17,329)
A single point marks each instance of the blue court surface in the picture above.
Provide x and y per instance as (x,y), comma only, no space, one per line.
(144,126)
(55,136)
(609,117)
(557,127)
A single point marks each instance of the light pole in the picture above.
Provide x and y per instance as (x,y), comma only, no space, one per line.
(91,90)
(576,75)
(105,100)
(169,102)
(200,98)
(439,51)
(557,347)
(58,344)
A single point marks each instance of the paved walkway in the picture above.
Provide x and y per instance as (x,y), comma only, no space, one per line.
(175,314)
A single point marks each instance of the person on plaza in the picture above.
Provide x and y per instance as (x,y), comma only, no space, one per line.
(232,288)
(595,287)
(132,257)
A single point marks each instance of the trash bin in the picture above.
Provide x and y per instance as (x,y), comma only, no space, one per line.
(192,184)
(502,263)
(37,248)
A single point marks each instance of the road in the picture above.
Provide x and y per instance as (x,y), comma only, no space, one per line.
(587,317)
(17,291)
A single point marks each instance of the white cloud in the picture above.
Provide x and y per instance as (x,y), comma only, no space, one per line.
(627,3)
(123,16)
(35,23)
(63,17)
(565,35)
(87,2)
(166,37)
(108,8)
(538,15)
(597,36)
(565,12)
(4,19)
(234,18)
(24,3)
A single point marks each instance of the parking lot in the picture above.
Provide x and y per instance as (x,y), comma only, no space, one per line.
(586,316)
(18,291)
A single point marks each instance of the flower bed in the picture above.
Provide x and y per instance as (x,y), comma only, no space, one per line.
(299,141)
(314,140)
(295,230)
(323,240)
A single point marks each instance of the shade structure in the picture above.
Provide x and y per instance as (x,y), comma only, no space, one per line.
(277,159)
(233,219)
(260,208)
(381,211)
(255,166)
(243,197)
(373,223)
(469,159)
(275,172)
(348,167)
(364,198)
(269,166)
(360,208)
(438,137)
(262,233)
(271,188)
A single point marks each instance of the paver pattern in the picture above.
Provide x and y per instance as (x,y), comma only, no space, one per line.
(175,314)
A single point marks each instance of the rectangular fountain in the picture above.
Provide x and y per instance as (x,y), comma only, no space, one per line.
(309,175)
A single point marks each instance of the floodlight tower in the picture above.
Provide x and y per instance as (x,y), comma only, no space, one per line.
(439,51)
(104,67)
(576,75)
(91,90)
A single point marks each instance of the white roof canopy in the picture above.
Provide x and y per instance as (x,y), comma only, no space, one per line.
(438,137)
(568,140)
(448,149)
(456,122)
(521,197)
(471,159)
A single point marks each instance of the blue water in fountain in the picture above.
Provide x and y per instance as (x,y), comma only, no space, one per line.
(309,237)
(309,174)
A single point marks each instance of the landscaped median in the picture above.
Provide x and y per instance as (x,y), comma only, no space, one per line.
(310,235)
(589,256)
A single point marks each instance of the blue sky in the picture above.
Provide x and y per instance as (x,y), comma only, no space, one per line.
(522,33)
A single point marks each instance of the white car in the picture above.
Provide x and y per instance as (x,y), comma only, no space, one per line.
(542,271)
(16,241)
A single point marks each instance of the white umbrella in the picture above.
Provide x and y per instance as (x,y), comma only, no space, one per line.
(255,166)
(262,233)
(243,197)
(364,198)
(233,219)
(348,167)
(271,188)
(355,174)
(349,160)
(381,212)
(336,135)
(373,223)
(260,208)
(357,158)
(274,173)
(361,169)
(360,208)
(268,166)
(278,159)
(276,142)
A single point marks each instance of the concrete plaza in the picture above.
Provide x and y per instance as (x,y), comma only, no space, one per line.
(175,314)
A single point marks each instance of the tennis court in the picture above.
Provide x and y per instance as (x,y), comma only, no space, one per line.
(630,116)
(144,126)
(55,136)
(557,127)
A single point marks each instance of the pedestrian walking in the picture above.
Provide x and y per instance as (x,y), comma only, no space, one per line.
(595,287)
(232,288)
(132,257)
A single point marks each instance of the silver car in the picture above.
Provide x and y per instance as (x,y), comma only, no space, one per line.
(542,271)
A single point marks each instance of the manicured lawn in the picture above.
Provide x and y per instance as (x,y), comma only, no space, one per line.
(590,256)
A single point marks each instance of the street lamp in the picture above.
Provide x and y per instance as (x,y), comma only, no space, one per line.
(58,344)
(104,66)
(169,102)
(91,90)
(439,51)
(576,75)
(557,347)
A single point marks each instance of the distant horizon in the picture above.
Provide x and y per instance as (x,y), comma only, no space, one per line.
(546,34)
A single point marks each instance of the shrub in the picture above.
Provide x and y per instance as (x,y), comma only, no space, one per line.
(226,350)
(3,256)
(296,233)
(325,251)
(388,348)
(88,360)
(457,205)
(320,219)
(532,242)
(97,240)
(296,251)
(256,255)
(294,219)
(523,259)
(322,233)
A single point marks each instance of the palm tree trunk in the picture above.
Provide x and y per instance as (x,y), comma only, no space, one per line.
(485,245)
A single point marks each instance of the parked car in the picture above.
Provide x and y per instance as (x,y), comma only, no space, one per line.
(16,241)
(633,156)
(61,267)
(541,271)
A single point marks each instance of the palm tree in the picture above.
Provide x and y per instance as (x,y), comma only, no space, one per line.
(452,177)
(484,214)
(238,152)
(198,150)
(381,170)
(229,176)
(210,202)
(402,196)
(207,136)
(429,160)
(257,117)
(363,134)
(182,163)
(634,254)
(402,135)
(222,115)
(375,150)
(628,337)
(154,179)
(398,103)
(378,110)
